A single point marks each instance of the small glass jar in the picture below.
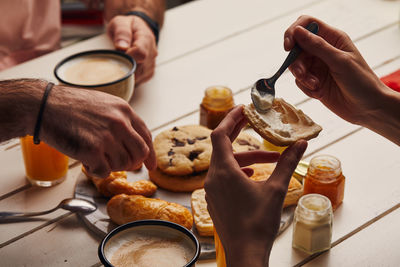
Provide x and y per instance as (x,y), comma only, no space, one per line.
(324,176)
(217,102)
(301,170)
(312,224)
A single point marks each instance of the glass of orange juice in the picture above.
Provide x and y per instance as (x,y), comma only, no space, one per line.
(219,251)
(44,165)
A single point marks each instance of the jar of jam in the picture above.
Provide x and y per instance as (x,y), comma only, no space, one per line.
(217,102)
(324,176)
(312,224)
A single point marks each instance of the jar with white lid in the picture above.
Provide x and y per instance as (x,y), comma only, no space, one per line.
(312,225)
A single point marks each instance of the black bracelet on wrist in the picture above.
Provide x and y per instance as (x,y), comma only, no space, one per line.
(36,132)
(152,24)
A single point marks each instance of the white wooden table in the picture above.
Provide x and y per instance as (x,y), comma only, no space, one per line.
(232,43)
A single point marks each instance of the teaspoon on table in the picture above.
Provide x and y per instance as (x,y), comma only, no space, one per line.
(263,91)
(71,204)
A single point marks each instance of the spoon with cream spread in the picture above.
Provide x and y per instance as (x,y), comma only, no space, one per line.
(263,91)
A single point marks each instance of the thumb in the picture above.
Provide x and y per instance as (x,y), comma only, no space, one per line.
(121,34)
(316,45)
(287,162)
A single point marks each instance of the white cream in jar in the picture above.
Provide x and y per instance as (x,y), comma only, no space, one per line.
(312,227)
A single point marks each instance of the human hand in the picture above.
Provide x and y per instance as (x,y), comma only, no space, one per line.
(132,35)
(332,70)
(246,213)
(100,130)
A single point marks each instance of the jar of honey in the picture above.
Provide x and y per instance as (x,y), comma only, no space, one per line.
(217,102)
(324,176)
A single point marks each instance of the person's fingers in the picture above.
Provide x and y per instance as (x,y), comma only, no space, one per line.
(118,157)
(138,51)
(287,163)
(317,46)
(238,128)
(98,167)
(327,32)
(232,123)
(144,133)
(222,135)
(313,93)
(288,40)
(256,156)
(151,161)
(120,32)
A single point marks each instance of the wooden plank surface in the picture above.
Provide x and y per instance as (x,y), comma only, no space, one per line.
(376,245)
(199,49)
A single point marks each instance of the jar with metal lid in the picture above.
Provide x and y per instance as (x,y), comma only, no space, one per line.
(312,224)
(217,102)
(324,176)
(301,170)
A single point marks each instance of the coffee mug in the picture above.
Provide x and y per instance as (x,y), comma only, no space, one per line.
(150,242)
(109,71)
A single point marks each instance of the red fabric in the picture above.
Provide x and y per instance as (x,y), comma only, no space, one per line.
(392,80)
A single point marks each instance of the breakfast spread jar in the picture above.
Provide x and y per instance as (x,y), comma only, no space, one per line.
(324,176)
(312,224)
(217,102)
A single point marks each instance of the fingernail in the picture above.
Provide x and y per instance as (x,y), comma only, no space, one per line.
(286,42)
(122,44)
(312,83)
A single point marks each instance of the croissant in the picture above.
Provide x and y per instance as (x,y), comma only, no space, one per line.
(127,208)
(117,183)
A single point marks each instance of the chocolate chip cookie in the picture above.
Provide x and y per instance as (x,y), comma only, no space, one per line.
(183,150)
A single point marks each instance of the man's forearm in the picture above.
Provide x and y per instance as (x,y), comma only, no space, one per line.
(19,105)
(153,8)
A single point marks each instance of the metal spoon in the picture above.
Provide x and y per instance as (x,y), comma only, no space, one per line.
(263,91)
(71,204)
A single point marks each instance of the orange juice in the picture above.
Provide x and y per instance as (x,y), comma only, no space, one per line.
(219,251)
(44,165)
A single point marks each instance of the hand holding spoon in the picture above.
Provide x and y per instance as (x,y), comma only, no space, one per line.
(263,91)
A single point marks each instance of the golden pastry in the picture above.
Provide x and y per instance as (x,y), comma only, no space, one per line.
(127,208)
(201,217)
(117,183)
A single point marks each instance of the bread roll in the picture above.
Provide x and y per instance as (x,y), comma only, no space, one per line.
(282,124)
(202,219)
(127,208)
(262,171)
(117,183)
